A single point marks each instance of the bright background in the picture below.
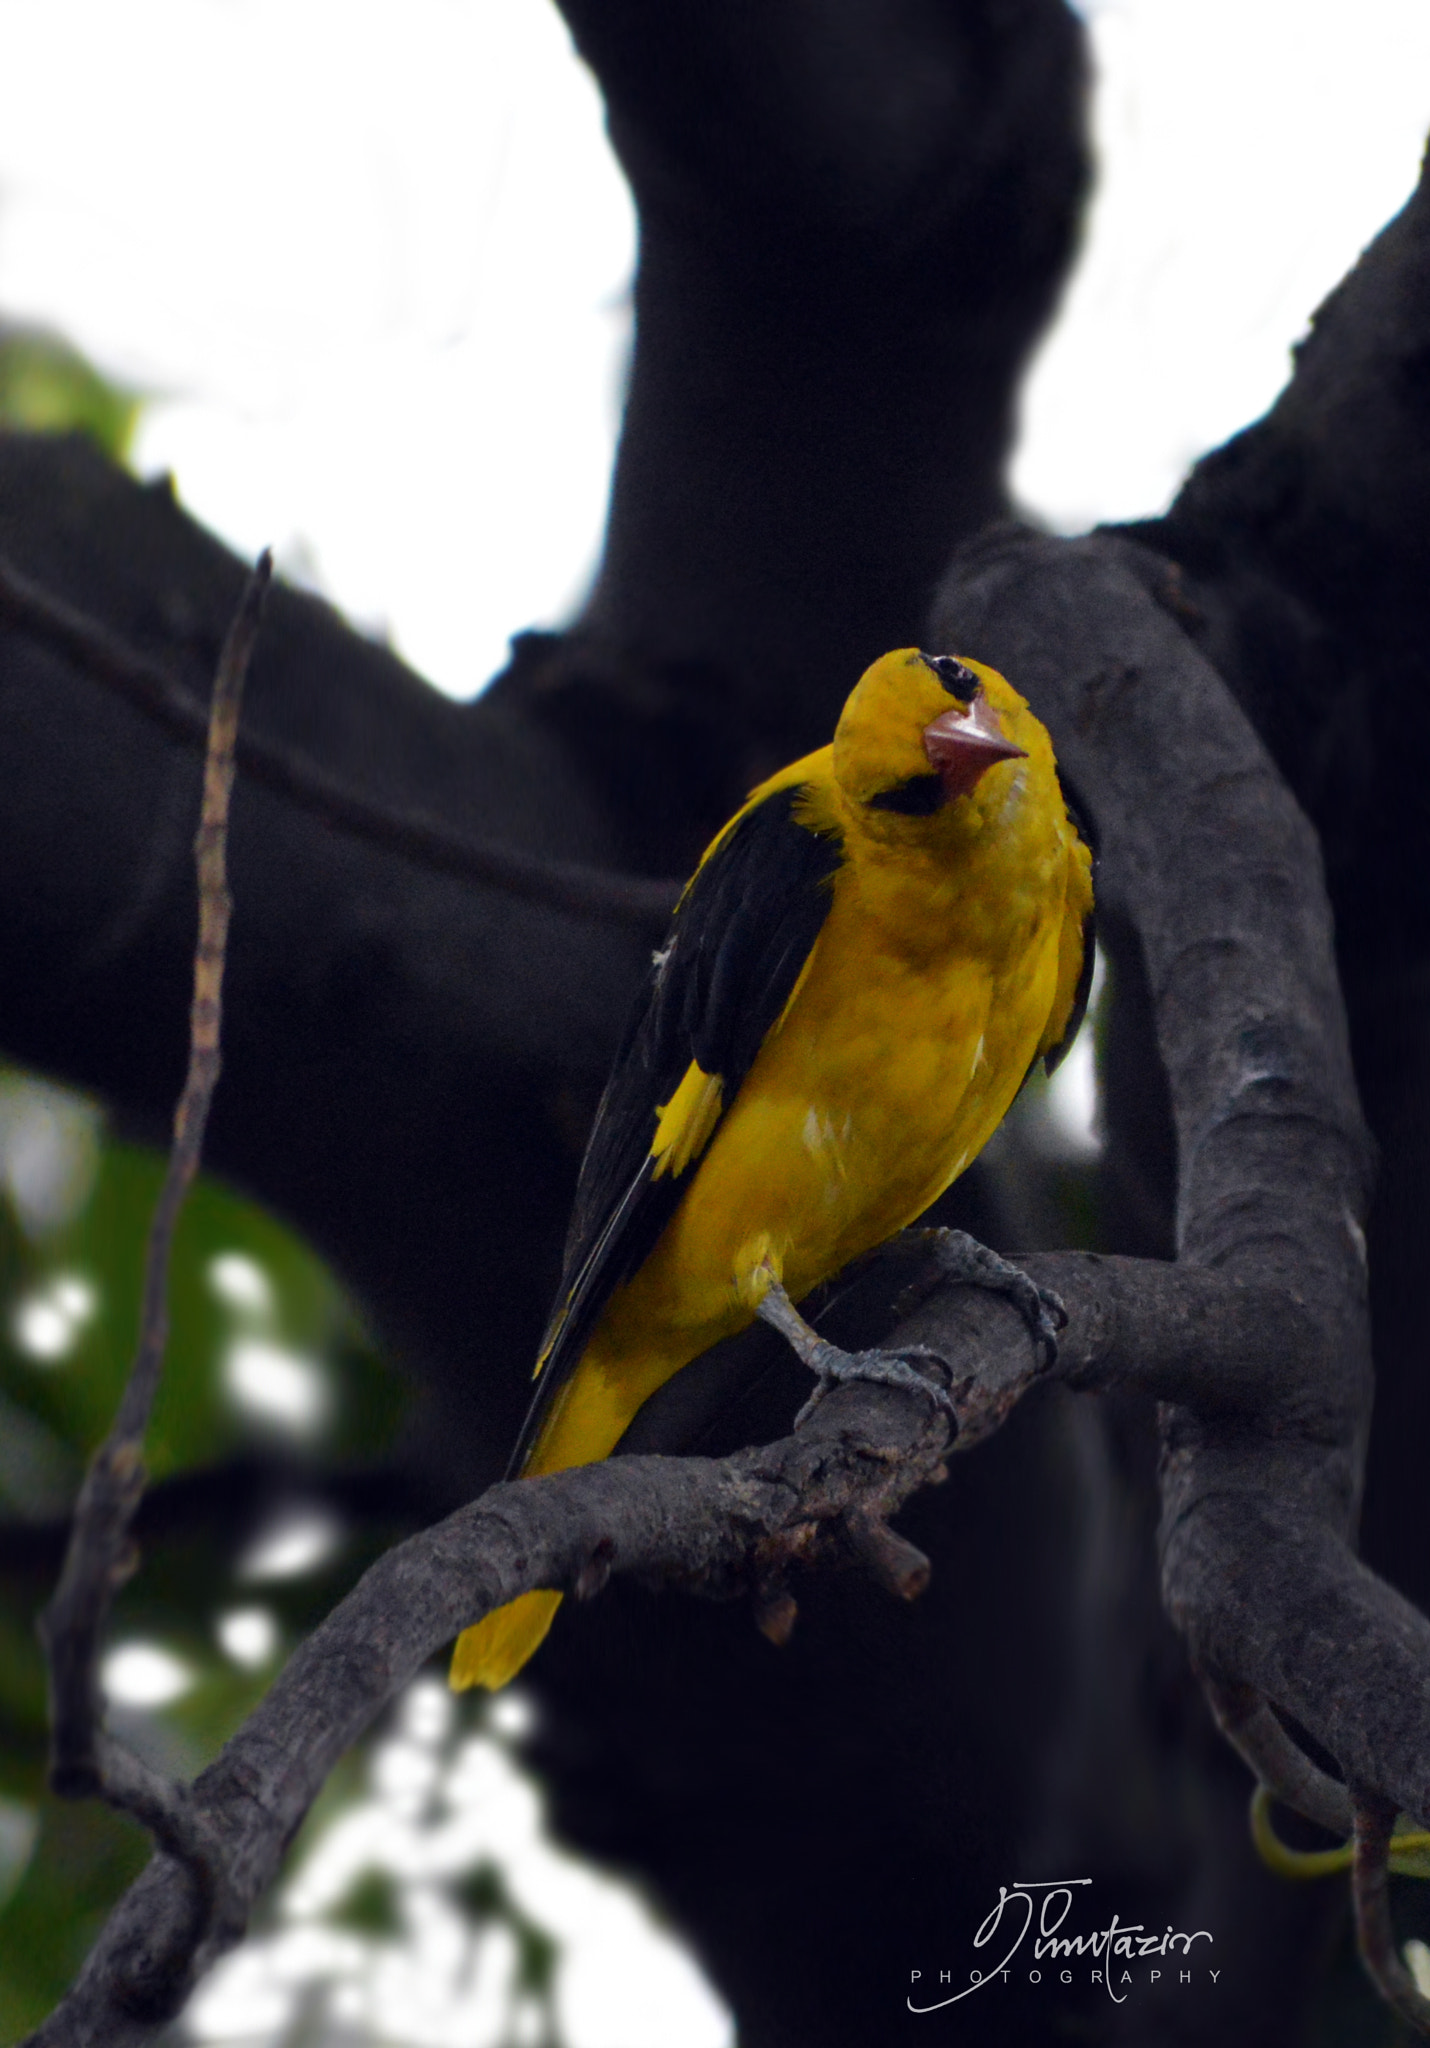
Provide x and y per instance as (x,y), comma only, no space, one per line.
(373,263)
(370,267)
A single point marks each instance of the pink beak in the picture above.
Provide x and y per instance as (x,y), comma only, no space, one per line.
(962,745)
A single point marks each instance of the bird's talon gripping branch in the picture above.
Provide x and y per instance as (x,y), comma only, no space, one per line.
(964,1259)
(833,1367)
(882,1368)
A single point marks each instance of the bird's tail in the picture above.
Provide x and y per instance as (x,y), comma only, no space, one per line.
(494,1650)
(584,1422)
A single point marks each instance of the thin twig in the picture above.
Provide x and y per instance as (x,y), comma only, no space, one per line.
(1249,1725)
(84,1760)
(413,835)
(205,1015)
(1375,1931)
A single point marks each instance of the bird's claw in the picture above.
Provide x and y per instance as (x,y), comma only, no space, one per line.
(964,1259)
(833,1367)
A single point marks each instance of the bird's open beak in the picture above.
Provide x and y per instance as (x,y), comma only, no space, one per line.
(963,745)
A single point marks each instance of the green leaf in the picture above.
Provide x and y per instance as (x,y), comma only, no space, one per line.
(47,387)
(72,1241)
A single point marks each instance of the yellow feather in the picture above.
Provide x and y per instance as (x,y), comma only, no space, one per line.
(684,1124)
(494,1651)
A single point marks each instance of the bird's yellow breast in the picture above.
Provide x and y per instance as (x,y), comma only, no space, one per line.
(924,1003)
(899,1056)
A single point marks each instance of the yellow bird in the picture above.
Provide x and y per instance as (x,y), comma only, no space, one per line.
(858,978)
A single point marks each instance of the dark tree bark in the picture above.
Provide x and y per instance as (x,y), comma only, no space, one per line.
(852,230)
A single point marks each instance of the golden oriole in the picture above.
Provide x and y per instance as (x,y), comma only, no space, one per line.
(858,977)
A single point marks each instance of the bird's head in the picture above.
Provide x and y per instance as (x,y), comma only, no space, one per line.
(921,732)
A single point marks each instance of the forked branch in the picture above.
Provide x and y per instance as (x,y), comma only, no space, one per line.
(85,1761)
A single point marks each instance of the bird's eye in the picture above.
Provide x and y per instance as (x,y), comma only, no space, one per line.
(960,682)
(919,797)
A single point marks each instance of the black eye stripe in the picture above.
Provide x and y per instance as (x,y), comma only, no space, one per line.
(960,682)
(919,797)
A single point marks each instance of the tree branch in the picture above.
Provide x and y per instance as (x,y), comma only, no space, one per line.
(412,834)
(716,1528)
(1370,1888)
(84,1761)
(1274,1759)
(1208,862)
(711,1527)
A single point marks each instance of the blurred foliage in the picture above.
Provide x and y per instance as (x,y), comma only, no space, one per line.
(61,1866)
(487,1897)
(47,386)
(391,1918)
(71,1263)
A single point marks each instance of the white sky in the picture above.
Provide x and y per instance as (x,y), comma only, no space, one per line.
(1249,149)
(375,258)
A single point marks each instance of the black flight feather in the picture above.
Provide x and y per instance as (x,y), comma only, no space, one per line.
(1056,1054)
(740,937)
(1080,818)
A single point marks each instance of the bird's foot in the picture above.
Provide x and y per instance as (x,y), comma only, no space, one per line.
(962,1258)
(833,1367)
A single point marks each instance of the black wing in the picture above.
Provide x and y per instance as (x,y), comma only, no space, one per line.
(739,940)
(1056,1054)
(1080,818)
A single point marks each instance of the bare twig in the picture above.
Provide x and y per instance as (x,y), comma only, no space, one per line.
(205,1015)
(413,835)
(1375,1932)
(1254,1732)
(84,1761)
